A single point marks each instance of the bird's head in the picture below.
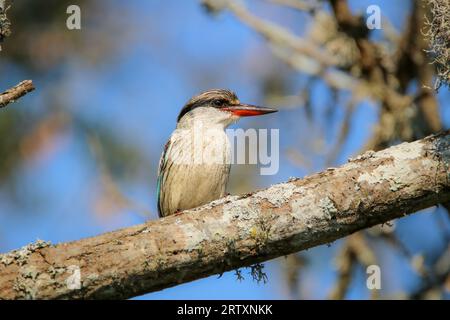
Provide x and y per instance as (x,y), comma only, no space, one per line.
(218,107)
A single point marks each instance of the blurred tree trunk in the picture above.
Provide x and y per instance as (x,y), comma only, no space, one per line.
(235,232)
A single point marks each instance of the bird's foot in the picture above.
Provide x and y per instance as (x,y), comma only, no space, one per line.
(178,212)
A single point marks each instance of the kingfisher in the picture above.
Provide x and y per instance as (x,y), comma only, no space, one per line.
(195,164)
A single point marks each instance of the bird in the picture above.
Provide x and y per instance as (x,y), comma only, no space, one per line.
(195,164)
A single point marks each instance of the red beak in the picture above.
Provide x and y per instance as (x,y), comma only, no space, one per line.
(247,110)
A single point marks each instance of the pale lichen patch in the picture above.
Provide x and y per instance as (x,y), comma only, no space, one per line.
(240,209)
(403,151)
(231,211)
(193,236)
(328,207)
(278,194)
(303,208)
(240,213)
(396,174)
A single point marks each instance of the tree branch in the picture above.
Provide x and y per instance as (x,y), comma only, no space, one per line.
(237,231)
(15,92)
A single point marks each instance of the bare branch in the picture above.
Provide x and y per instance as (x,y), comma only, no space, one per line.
(237,231)
(15,92)
(309,6)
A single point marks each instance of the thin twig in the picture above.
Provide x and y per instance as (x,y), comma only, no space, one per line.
(15,92)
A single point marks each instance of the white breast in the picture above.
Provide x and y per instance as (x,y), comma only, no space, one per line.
(198,168)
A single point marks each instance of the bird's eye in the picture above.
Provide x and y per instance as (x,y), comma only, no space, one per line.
(218,102)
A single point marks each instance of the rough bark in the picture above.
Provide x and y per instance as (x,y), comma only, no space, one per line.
(15,92)
(237,231)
